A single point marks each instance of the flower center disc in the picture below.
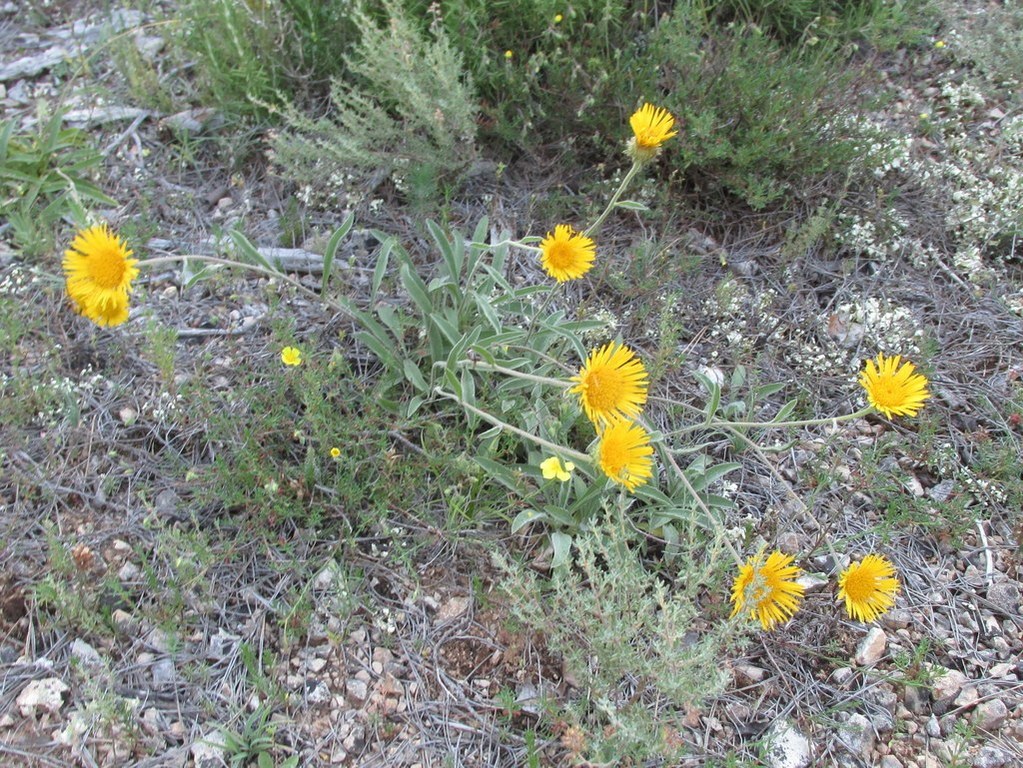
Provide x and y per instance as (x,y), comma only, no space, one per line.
(604,390)
(106,267)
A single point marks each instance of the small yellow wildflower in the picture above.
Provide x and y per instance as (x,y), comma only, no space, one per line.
(291,356)
(768,589)
(335,453)
(894,389)
(558,18)
(552,469)
(651,127)
(611,384)
(508,54)
(566,254)
(868,587)
(939,44)
(624,454)
(99,269)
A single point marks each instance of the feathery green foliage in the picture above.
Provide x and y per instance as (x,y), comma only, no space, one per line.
(406,108)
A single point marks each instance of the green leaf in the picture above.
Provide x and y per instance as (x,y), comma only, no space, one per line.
(247,252)
(451,379)
(451,254)
(332,245)
(414,404)
(386,354)
(381,266)
(631,205)
(415,376)
(785,411)
(562,544)
(500,473)
(525,517)
(416,289)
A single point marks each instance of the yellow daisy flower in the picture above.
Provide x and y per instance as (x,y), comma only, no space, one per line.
(651,126)
(553,469)
(335,453)
(894,390)
(624,454)
(99,269)
(566,254)
(291,356)
(868,587)
(611,384)
(767,589)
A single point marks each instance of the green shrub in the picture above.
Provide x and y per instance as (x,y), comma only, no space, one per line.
(573,73)
(760,120)
(46,174)
(803,20)
(617,624)
(406,108)
(248,53)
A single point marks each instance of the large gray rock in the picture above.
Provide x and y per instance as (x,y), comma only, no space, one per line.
(787,747)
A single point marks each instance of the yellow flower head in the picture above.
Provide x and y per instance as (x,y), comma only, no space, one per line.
(651,126)
(558,18)
(868,587)
(611,384)
(291,356)
(335,453)
(894,390)
(624,454)
(553,469)
(508,54)
(99,269)
(566,254)
(767,589)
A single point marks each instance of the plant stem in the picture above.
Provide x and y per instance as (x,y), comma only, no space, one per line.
(516,374)
(726,425)
(173,258)
(614,199)
(554,447)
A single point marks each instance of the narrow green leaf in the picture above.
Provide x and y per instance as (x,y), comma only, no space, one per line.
(332,245)
(385,353)
(451,379)
(500,473)
(247,252)
(452,263)
(414,375)
(631,205)
(562,544)
(414,404)
(525,517)
(381,266)
(785,411)
(416,289)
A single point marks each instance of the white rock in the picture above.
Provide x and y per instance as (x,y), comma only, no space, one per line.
(747,673)
(990,715)
(129,572)
(357,689)
(872,647)
(452,609)
(208,751)
(787,747)
(948,684)
(990,757)
(30,66)
(164,673)
(85,654)
(857,735)
(46,694)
